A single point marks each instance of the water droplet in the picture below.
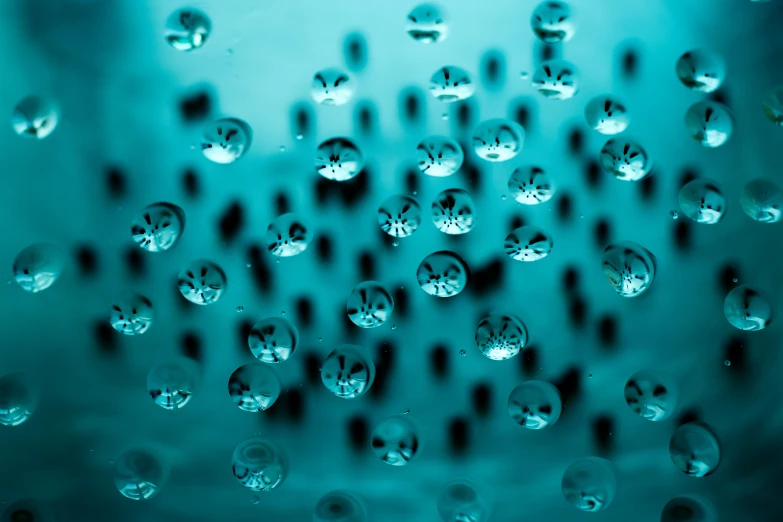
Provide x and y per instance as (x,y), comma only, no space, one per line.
(340,506)
(463,352)
(338,159)
(439,156)
(399,215)
(444,116)
(590,375)
(18,399)
(38,266)
(299,136)
(226,140)
(498,139)
(394,327)
(283,312)
(650,395)
(240,308)
(551,21)
(442,274)
(747,309)
(406,411)
(333,86)
(259,465)
(282,148)
(535,404)
(35,117)
(288,235)
(503,197)
(530,185)
(524,75)
(762,200)
(348,372)
(273,339)
(133,316)
(451,83)
(453,212)
(528,244)
(395,243)
(428,23)
(702,201)
(395,440)
(158,227)
(172,384)
(187,29)
(773,105)
(674,214)
(140,473)
(689,508)
(625,159)
(590,484)
(202,282)
(701,70)
(607,115)
(500,337)
(727,362)
(320,339)
(695,449)
(709,123)
(254,387)
(557,80)
(629,267)
(255,499)
(369,305)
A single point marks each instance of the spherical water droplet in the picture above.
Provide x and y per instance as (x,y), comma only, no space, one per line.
(689,509)
(773,105)
(709,123)
(395,440)
(503,197)
(727,362)
(530,185)
(461,500)
(394,327)
(38,266)
(463,352)
(444,116)
(735,280)
(347,372)
(172,384)
(702,201)
(340,506)
(202,282)
(590,484)
(428,23)
(395,243)
(187,29)
(557,80)
(226,140)
(255,499)
(551,21)
(453,212)
(674,214)
(288,235)
(629,267)
(132,316)
(333,86)
(701,70)
(18,399)
(747,309)
(35,117)
(259,465)
(535,404)
(500,337)
(139,473)
(240,308)
(27,510)
(528,244)
(443,274)
(439,156)
(695,449)
(158,227)
(254,387)
(650,395)
(338,159)
(369,305)
(762,200)
(451,83)
(607,115)
(524,75)
(625,159)
(399,215)
(273,340)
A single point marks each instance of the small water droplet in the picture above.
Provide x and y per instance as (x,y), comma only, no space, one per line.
(444,116)
(320,339)
(255,499)
(674,214)
(727,362)
(240,308)
(282,148)
(299,137)
(395,243)
(277,260)
(249,265)
(581,216)
(524,75)
(463,353)
(735,280)
(283,312)
(394,327)
(406,411)
(415,192)
(590,375)
(503,197)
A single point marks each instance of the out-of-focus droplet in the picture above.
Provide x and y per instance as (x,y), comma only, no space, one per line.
(625,159)
(694,449)
(369,305)
(300,137)
(444,116)
(762,200)
(187,29)
(18,399)
(735,280)
(443,274)
(288,235)
(35,117)
(38,266)
(395,440)
(273,340)
(498,139)
(674,214)
(650,395)
(338,159)
(463,352)
(254,387)
(428,23)
(500,337)
(702,201)
(727,362)
(629,268)
(255,499)
(551,21)
(535,404)
(709,123)
(347,372)
(531,185)
(333,86)
(590,484)
(240,308)
(399,215)
(282,148)
(259,465)
(226,140)
(528,244)
(557,80)
(27,510)
(132,316)
(202,282)
(171,384)
(341,506)
(607,115)
(689,509)
(158,227)
(747,309)
(773,105)
(461,500)
(524,75)
(701,70)
(439,156)
(140,473)
(451,83)
(453,212)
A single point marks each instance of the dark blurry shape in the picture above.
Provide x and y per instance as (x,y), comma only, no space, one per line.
(688,175)
(728,277)
(412,106)
(607,331)
(302,121)
(191,183)
(471,173)
(570,279)
(687,415)
(576,141)
(359,434)
(488,277)
(412,180)
(516,222)
(570,386)
(262,275)
(282,205)
(593,174)
(736,354)
(312,369)
(466,115)
(647,185)
(196,106)
(565,206)
(603,433)
(528,361)
(324,248)
(304,312)
(629,61)
(115,182)
(682,234)
(548,51)
(521,110)
(105,337)
(366,266)
(355,51)
(349,192)
(720,96)
(493,70)
(401,302)
(439,361)
(458,436)
(481,398)
(602,233)
(366,117)
(384,363)
(87,260)
(244,328)
(350,331)
(191,346)
(292,404)
(577,311)
(135,261)
(231,222)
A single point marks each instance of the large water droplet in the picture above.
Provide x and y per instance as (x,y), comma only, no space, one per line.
(347,372)
(340,506)
(158,227)
(694,449)
(500,337)
(338,159)
(498,139)
(556,79)
(702,201)
(453,212)
(762,200)
(590,484)
(629,267)
(399,215)
(531,185)
(18,399)
(535,404)
(451,83)
(226,140)
(288,235)
(551,21)
(625,159)
(139,473)
(395,440)
(35,117)
(202,282)
(333,86)
(254,387)
(259,465)
(607,115)
(439,156)
(132,316)
(461,500)
(650,395)
(709,123)
(369,305)
(527,244)
(443,274)
(38,266)
(171,384)
(747,309)
(273,340)
(428,23)
(701,70)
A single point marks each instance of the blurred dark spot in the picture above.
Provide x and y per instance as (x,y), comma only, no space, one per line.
(358,434)
(570,386)
(292,403)
(493,70)
(570,279)
(196,106)
(439,360)
(231,222)
(682,234)
(366,266)
(190,183)
(688,175)
(412,104)
(105,337)
(115,182)
(302,120)
(576,141)
(134,261)
(401,302)
(728,277)
(87,260)
(191,346)
(548,51)
(720,96)
(323,248)
(466,113)
(529,361)
(737,355)
(603,433)
(349,192)
(516,222)
(412,177)
(458,436)
(686,416)
(262,275)
(365,116)
(384,363)
(482,399)
(629,63)
(607,331)
(312,369)
(602,234)
(355,51)
(487,278)
(577,311)
(565,206)
(593,174)
(282,205)
(304,311)
(350,330)
(471,173)
(647,185)
(521,110)
(244,328)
